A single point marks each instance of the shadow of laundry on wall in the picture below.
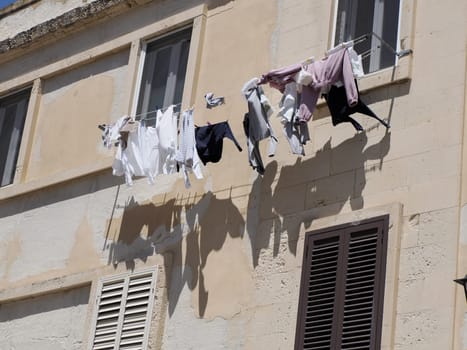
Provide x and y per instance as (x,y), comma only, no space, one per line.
(329,179)
(188,231)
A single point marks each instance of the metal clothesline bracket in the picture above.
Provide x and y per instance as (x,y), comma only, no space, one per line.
(400,53)
(367,36)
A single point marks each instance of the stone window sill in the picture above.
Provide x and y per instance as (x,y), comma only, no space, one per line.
(392,75)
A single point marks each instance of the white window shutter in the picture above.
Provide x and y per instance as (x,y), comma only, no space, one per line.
(109,303)
(137,312)
(124,310)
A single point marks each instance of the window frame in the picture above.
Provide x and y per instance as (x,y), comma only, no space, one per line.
(23,134)
(125,278)
(144,43)
(379,222)
(373,40)
(193,16)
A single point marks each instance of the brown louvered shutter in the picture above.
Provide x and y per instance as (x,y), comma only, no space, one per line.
(341,294)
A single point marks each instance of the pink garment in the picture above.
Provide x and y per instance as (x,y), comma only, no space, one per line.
(336,67)
(279,78)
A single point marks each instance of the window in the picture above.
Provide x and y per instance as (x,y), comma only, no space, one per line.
(163,75)
(356,18)
(341,293)
(13,110)
(124,308)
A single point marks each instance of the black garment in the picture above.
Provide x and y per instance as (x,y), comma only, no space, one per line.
(209,141)
(340,110)
(253,149)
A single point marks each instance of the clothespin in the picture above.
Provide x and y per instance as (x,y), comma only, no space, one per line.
(251,84)
(130,126)
(345,44)
(308,61)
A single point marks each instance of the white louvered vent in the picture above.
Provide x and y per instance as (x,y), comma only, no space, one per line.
(124,312)
(135,316)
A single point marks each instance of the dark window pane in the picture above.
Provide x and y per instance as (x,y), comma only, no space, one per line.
(163,74)
(159,79)
(356,18)
(12,116)
(390,25)
(181,72)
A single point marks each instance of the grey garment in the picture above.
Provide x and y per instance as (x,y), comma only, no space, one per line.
(212,101)
(297,134)
(256,126)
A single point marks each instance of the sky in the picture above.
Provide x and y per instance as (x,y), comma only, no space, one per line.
(4,3)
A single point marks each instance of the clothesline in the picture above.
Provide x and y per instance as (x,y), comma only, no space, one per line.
(149,152)
(366,36)
(357,40)
(155,110)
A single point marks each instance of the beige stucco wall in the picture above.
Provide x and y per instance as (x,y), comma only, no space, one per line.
(235,240)
(54,321)
(70,106)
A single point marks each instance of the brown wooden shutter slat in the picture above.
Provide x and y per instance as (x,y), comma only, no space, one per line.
(320,295)
(361,272)
(342,287)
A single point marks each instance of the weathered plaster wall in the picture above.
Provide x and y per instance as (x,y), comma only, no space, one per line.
(73,104)
(235,240)
(55,321)
(50,233)
(36,13)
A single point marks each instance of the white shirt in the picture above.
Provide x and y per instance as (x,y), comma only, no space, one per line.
(150,151)
(187,155)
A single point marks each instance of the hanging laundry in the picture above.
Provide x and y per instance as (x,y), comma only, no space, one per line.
(147,151)
(149,148)
(209,141)
(166,129)
(212,101)
(297,134)
(256,124)
(111,132)
(356,63)
(336,100)
(279,78)
(325,72)
(187,156)
(130,160)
